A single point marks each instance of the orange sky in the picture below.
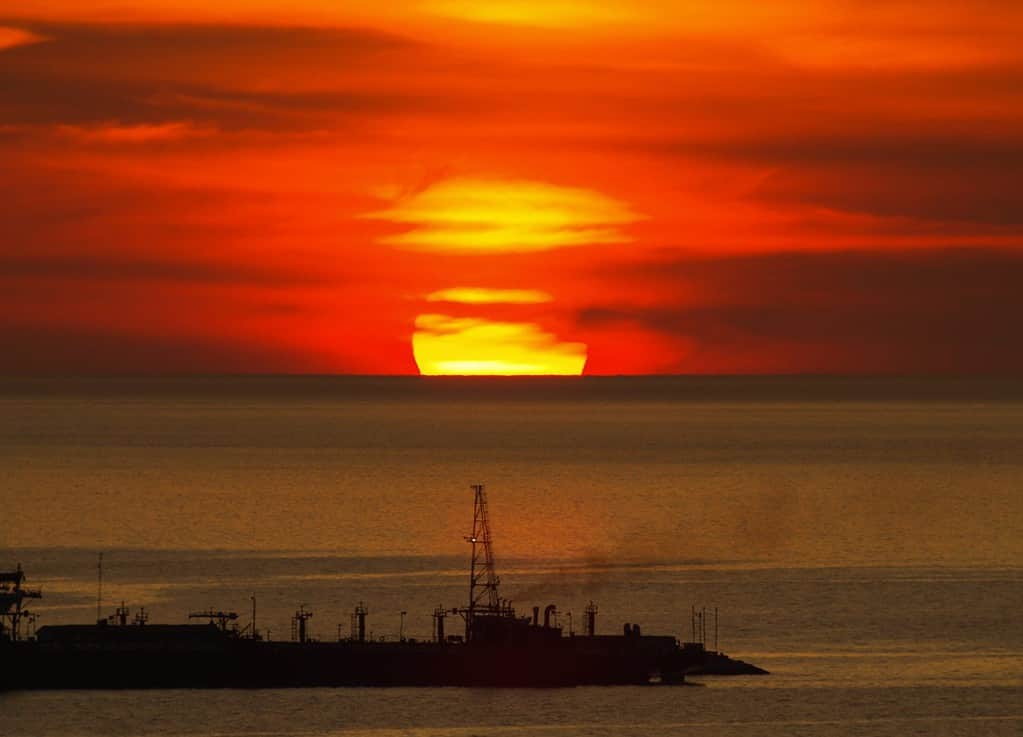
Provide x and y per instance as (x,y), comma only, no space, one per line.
(511,186)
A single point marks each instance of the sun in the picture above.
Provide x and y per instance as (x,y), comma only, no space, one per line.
(472,346)
(495,217)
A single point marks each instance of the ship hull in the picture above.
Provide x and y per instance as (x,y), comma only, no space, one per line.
(247,664)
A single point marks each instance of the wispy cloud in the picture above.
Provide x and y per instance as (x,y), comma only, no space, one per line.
(114,133)
(11,37)
(485,296)
(548,13)
(495,215)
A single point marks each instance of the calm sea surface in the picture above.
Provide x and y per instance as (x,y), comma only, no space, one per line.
(863,540)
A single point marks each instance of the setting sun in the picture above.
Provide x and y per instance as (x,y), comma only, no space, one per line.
(445,345)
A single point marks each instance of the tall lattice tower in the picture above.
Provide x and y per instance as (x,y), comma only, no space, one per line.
(483,580)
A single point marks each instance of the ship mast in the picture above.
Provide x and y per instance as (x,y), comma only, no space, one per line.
(483,580)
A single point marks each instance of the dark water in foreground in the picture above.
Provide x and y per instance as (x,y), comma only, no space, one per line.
(860,540)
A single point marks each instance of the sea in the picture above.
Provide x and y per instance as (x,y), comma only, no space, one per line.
(861,539)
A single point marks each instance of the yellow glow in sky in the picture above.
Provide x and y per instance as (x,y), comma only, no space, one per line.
(543,13)
(484,296)
(444,345)
(506,215)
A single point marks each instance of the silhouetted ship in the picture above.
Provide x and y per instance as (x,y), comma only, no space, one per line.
(498,648)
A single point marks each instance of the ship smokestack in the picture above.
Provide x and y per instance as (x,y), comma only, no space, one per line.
(591,619)
(299,630)
(438,618)
(551,608)
(536,616)
(359,622)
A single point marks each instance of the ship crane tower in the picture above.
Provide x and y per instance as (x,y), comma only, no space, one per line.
(483,580)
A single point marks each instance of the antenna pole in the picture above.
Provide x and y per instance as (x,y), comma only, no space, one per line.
(715,629)
(99,589)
